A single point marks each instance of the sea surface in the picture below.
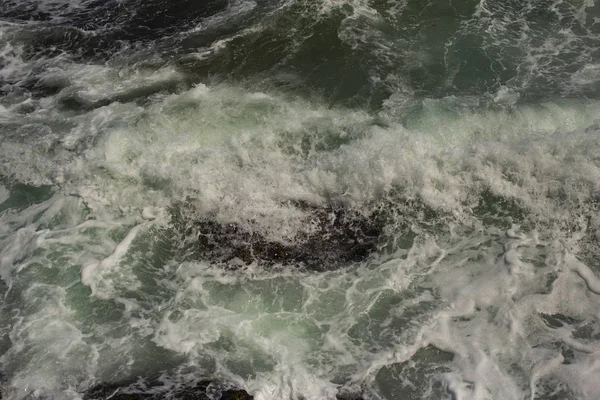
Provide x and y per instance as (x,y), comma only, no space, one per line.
(300,199)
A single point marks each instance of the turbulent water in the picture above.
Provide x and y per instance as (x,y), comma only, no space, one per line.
(300,199)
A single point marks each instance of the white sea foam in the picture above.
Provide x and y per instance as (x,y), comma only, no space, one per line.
(489,290)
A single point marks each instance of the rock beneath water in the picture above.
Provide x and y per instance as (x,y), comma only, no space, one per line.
(348,395)
(340,236)
(164,389)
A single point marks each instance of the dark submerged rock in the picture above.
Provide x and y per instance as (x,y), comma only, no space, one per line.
(342,235)
(156,389)
(348,395)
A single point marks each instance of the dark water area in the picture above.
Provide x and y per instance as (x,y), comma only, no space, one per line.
(351,56)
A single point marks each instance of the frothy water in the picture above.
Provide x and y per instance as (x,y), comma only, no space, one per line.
(464,136)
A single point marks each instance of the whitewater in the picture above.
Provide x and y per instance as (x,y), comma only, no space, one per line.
(300,199)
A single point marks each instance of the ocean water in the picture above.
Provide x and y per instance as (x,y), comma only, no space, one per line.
(300,199)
